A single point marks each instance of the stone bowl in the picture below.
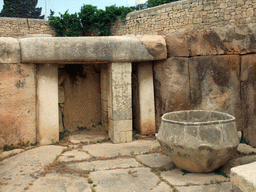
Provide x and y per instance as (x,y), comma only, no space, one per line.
(198,140)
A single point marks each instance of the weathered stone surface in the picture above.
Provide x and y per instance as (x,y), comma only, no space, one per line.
(47,104)
(9,50)
(6,154)
(92,134)
(17,103)
(82,96)
(177,178)
(243,178)
(101,165)
(222,187)
(198,140)
(231,39)
(171,84)
(248,86)
(156,160)
(86,49)
(61,94)
(115,150)
(215,85)
(192,42)
(18,171)
(162,187)
(124,180)
(143,102)
(58,183)
(155,44)
(238,39)
(74,155)
(245,149)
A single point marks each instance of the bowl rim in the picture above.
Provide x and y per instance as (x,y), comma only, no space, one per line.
(231,118)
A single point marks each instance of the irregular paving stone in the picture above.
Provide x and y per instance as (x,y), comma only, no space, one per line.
(105,164)
(222,187)
(124,180)
(74,155)
(114,150)
(161,187)
(177,178)
(21,169)
(243,178)
(156,160)
(87,136)
(59,183)
(6,154)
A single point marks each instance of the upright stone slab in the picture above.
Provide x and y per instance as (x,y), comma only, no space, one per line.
(120,102)
(47,104)
(143,99)
(248,93)
(104,81)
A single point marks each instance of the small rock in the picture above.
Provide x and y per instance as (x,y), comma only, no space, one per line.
(245,149)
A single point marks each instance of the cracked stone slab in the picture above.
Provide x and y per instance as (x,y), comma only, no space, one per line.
(222,187)
(74,155)
(105,164)
(6,154)
(124,180)
(19,170)
(176,177)
(122,149)
(161,187)
(57,183)
(156,160)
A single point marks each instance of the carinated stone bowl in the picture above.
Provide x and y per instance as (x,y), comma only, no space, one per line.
(198,140)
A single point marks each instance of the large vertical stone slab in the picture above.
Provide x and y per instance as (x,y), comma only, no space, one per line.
(248,93)
(17,103)
(215,84)
(104,85)
(120,102)
(47,104)
(143,98)
(171,83)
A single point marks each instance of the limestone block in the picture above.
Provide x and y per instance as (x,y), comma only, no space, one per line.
(9,50)
(17,103)
(215,85)
(83,49)
(47,104)
(248,86)
(243,178)
(171,84)
(191,42)
(120,137)
(143,99)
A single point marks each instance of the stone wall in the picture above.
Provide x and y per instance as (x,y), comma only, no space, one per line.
(210,69)
(18,27)
(187,13)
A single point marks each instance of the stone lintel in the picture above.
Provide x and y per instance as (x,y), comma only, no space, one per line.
(9,50)
(72,50)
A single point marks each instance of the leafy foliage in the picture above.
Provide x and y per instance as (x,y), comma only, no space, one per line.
(153,3)
(88,21)
(21,8)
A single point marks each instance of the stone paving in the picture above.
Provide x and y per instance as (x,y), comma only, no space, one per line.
(103,167)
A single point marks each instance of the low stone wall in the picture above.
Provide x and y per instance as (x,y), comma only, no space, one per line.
(186,13)
(19,27)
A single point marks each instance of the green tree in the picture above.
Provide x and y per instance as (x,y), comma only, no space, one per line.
(153,3)
(21,8)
